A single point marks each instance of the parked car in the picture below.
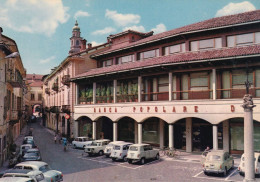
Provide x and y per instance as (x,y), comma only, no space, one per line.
(241,167)
(110,146)
(141,152)
(17,179)
(218,162)
(24,148)
(32,155)
(28,138)
(81,142)
(28,141)
(97,147)
(120,150)
(35,175)
(49,174)
(14,158)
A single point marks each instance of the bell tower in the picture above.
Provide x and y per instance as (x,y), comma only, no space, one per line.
(75,40)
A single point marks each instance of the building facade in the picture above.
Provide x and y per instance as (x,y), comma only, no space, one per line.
(11,94)
(182,88)
(59,92)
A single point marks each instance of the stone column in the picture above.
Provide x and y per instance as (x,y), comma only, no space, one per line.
(170,86)
(226,135)
(188,134)
(215,137)
(140,133)
(139,88)
(171,138)
(115,91)
(94,125)
(115,131)
(214,83)
(76,128)
(161,133)
(249,138)
(136,132)
(77,95)
(94,92)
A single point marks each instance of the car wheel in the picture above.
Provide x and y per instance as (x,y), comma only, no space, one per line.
(124,159)
(232,164)
(130,161)
(100,152)
(143,161)
(107,155)
(157,157)
(113,159)
(225,172)
(206,173)
(74,146)
(89,154)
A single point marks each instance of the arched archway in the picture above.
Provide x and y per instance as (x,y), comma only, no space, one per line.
(126,129)
(85,126)
(104,128)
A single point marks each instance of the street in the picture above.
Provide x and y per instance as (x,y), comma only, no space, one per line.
(78,168)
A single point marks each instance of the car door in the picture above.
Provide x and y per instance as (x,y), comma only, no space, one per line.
(146,152)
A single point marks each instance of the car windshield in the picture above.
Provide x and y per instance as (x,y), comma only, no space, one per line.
(25,147)
(213,158)
(44,168)
(116,147)
(133,148)
(31,155)
(96,144)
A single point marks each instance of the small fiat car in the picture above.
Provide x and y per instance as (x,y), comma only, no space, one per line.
(109,147)
(17,179)
(35,175)
(141,152)
(119,151)
(97,147)
(49,174)
(218,161)
(81,142)
(241,167)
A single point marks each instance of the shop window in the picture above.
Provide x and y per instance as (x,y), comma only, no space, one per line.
(151,131)
(206,44)
(148,54)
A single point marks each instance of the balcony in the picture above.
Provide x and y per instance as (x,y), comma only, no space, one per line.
(15,82)
(65,80)
(47,91)
(55,109)
(65,109)
(55,87)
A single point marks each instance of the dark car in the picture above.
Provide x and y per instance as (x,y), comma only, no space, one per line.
(32,155)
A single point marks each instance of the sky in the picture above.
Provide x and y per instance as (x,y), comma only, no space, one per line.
(42,28)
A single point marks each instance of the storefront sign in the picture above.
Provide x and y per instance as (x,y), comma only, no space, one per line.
(67,116)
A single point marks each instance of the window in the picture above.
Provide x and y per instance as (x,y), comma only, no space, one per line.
(125,59)
(148,54)
(39,97)
(243,39)
(206,44)
(239,77)
(174,49)
(32,97)
(107,63)
(199,81)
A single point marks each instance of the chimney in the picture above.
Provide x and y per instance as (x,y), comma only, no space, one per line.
(83,45)
(89,45)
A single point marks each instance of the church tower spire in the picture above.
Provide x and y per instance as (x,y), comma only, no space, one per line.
(75,40)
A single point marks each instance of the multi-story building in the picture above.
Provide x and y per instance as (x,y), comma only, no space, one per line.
(182,88)
(35,93)
(59,92)
(12,74)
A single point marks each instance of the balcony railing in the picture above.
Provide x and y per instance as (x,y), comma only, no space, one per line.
(65,108)
(237,93)
(47,91)
(155,96)
(127,98)
(192,94)
(104,99)
(66,80)
(15,82)
(55,87)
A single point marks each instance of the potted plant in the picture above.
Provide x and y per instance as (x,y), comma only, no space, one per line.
(125,92)
(108,93)
(103,94)
(98,94)
(135,92)
(82,97)
(90,95)
(120,93)
(87,94)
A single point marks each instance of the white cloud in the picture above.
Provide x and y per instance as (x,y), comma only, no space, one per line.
(33,16)
(80,14)
(122,19)
(234,8)
(106,30)
(159,28)
(136,28)
(94,43)
(47,60)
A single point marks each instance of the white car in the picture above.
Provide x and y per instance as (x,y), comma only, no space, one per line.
(24,148)
(141,152)
(97,147)
(109,147)
(241,167)
(81,142)
(49,174)
(17,179)
(119,151)
(35,175)
(28,138)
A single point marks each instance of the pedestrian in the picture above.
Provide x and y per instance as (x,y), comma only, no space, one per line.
(71,137)
(55,138)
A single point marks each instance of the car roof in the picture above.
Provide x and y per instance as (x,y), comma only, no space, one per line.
(82,137)
(22,171)
(102,140)
(33,150)
(116,142)
(139,145)
(15,179)
(32,163)
(219,152)
(24,145)
(257,154)
(124,143)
